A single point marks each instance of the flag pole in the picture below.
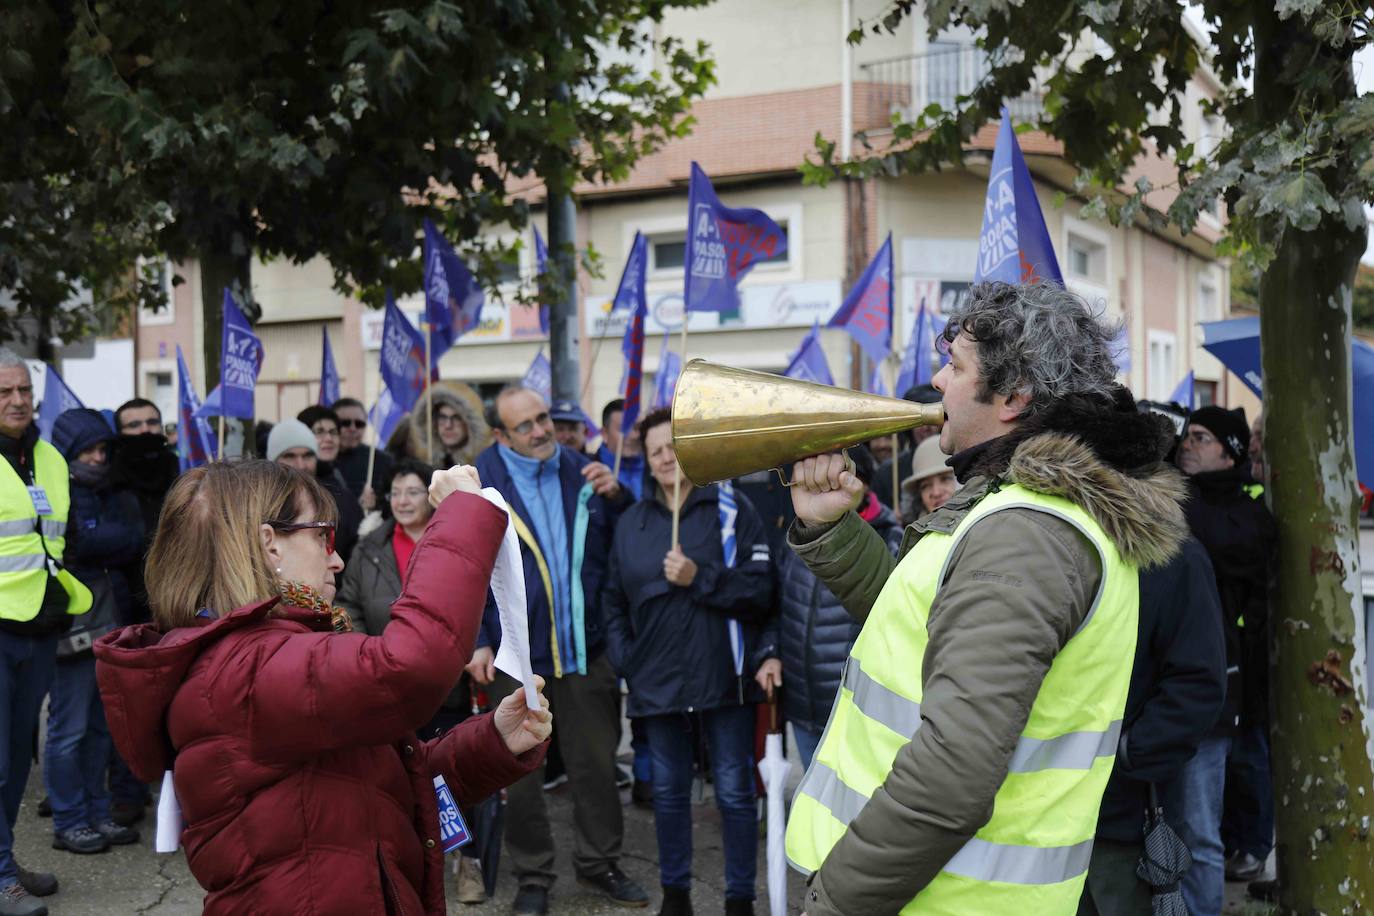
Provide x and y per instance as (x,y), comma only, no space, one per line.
(677,470)
(896,445)
(219,454)
(429,402)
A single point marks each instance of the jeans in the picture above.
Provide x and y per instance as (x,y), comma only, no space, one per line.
(26,671)
(807,742)
(78,748)
(639,743)
(1247,822)
(1192,804)
(729,733)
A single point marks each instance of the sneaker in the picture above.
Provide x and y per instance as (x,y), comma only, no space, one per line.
(45,807)
(471,889)
(616,885)
(677,901)
(15,901)
(81,840)
(531,900)
(1244,867)
(126,814)
(38,883)
(560,780)
(116,834)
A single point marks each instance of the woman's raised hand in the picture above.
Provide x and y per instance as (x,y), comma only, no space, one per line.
(523,728)
(460,477)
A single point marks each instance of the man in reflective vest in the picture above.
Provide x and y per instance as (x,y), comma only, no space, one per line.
(965,758)
(37,597)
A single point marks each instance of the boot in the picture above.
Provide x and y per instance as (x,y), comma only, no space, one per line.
(677,901)
(739,907)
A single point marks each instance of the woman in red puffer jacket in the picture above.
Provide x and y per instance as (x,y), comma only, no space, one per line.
(290,739)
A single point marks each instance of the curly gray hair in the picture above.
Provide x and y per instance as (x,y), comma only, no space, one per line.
(1037,338)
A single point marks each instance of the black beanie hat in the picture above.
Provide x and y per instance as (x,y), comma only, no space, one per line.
(1229,426)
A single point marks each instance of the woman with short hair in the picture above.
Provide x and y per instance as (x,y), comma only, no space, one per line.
(291,740)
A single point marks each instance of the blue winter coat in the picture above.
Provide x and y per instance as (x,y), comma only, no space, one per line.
(672,643)
(590,546)
(815,634)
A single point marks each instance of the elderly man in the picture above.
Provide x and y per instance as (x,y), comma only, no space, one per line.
(564,508)
(36,596)
(963,766)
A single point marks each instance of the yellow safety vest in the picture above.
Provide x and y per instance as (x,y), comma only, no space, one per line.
(1031,857)
(28,539)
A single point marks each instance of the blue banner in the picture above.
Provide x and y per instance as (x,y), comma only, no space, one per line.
(453,297)
(875,381)
(866,312)
(384,416)
(1184,393)
(665,382)
(1014,245)
(630,294)
(809,363)
(915,368)
(723,245)
(541,266)
(329,374)
(195,441)
(240,361)
(539,377)
(57,397)
(402,357)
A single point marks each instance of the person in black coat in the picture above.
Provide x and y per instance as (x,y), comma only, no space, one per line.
(681,623)
(1178,685)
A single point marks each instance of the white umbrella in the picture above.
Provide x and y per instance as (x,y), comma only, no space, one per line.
(774,768)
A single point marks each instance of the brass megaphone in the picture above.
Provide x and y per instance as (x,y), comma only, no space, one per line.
(728,422)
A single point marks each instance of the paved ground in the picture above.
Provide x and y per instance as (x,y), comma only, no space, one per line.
(135,880)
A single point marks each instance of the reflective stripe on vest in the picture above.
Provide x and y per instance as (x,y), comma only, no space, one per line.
(1034,851)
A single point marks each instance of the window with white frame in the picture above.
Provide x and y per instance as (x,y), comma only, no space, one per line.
(1162,349)
(1087,259)
(1208,297)
(166,314)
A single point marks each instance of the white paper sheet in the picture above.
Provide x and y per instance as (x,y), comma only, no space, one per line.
(508,585)
(168,816)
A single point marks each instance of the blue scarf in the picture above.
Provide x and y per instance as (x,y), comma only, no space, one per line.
(729,511)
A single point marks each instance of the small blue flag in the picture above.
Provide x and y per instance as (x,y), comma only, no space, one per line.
(57,397)
(541,266)
(402,357)
(539,376)
(875,381)
(329,374)
(1014,246)
(723,245)
(453,297)
(631,294)
(1185,394)
(866,312)
(809,363)
(195,440)
(384,415)
(240,361)
(665,383)
(915,368)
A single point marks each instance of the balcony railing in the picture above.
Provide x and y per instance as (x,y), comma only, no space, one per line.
(906,85)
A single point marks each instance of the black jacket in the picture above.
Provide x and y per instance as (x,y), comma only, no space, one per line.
(1239,535)
(1178,685)
(350,513)
(814,633)
(671,643)
(146,466)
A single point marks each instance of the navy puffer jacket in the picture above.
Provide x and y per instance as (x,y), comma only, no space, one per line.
(816,634)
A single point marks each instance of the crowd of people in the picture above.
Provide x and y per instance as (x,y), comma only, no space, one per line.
(216,619)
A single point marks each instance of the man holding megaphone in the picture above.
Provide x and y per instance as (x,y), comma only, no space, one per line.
(965,759)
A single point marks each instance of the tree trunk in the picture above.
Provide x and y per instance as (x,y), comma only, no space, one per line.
(1321,740)
(220,268)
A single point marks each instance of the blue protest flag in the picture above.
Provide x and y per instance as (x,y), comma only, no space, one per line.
(541,266)
(916,357)
(631,294)
(875,381)
(1184,393)
(329,374)
(809,363)
(665,383)
(866,312)
(195,440)
(1014,245)
(539,376)
(385,414)
(723,244)
(402,357)
(57,397)
(453,297)
(240,361)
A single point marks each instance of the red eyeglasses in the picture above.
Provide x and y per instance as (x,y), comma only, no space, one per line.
(326,528)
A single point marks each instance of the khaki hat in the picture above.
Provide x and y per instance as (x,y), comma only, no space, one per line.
(927,462)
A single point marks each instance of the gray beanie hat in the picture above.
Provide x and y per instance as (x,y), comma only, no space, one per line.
(289,434)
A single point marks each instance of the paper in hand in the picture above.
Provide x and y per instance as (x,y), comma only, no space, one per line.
(508,585)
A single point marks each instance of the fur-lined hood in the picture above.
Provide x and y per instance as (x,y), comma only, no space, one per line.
(1107,459)
(464,401)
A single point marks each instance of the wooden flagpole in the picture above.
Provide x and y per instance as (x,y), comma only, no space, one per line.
(429,402)
(219,454)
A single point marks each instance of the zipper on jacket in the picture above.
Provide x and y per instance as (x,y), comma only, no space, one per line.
(389,886)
